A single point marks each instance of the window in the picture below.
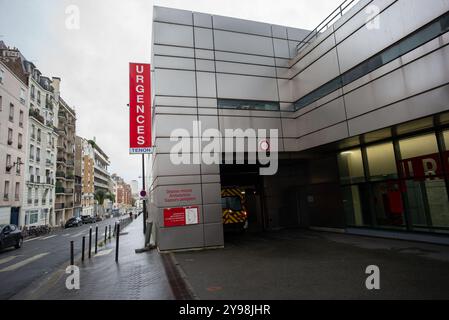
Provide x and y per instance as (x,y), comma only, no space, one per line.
(33,132)
(17,193)
(10,136)
(30,196)
(18,166)
(248,105)
(6,191)
(423,172)
(22,96)
(21,119)
(38,154)
(39,98)
(38,175)
(351,168)
(407,44)
(19,144)
(8,163)
(39,135)
(31,152)
(33,92)
(1,103)
(2,75)
(11,112)
(382,162)
(34,217)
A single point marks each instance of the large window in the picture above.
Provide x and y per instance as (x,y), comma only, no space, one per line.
(248,105)
(416,197)
(351,168)
(381,162)
(409,43)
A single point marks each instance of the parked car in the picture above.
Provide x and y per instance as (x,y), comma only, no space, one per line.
(87,219)
(10,236)
(74,222)
(98,219)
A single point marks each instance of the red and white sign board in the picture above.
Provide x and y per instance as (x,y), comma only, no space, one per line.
(140,108)
(178,217)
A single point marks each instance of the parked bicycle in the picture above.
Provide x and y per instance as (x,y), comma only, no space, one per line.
(36,231)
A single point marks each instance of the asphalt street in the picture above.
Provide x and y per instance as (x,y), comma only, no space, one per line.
(42,255)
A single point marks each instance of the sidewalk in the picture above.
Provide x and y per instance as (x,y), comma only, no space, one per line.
(297,264)
(134,277)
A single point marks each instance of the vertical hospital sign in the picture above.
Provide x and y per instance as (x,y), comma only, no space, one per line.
(140,108)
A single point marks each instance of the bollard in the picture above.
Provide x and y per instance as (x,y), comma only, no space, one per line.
(83,248)
(72,258)
(105,234)
(117,241)
(109,232)
(90,242)
(115,228)
(96,239)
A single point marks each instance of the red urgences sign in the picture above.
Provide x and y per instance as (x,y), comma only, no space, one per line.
(140,108)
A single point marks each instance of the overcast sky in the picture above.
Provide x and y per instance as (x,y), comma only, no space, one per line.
(92,61)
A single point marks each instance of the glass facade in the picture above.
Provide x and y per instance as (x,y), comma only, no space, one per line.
(401,184)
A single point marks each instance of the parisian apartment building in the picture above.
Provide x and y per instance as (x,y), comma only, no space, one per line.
(13,133)
(92,163)
(38,182)
(123,193)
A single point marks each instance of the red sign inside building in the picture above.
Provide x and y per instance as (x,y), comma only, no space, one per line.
(140,108)
(178,217)
(422,168)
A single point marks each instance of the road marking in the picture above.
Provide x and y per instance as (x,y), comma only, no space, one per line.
(32,239)
(78,234)
(103,253)
(24,262)
(49,237)
(66,235)
(6,260)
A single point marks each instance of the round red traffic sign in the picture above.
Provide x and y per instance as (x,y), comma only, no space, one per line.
(143,194)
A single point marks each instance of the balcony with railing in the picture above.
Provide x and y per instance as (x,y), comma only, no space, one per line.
(36,115)
(59,206)
(60,190)
(60,174)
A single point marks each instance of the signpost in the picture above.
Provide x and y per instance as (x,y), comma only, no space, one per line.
(140,140)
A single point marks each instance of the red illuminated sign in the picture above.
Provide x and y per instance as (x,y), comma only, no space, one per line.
(178,217)
(140,108)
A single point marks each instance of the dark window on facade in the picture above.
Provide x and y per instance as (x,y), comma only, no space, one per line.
(248,105)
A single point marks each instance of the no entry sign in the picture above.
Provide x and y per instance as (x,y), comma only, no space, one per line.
(140,108)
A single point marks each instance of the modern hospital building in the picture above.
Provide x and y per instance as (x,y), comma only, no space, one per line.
(361,107)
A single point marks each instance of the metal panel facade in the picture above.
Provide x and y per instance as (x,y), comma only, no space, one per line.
(199,58)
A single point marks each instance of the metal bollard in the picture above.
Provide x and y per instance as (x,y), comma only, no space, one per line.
(109,232)
(83,248)
(72,258)
(96,239)
(105,234)
(90,242)
(117,241)
(115,228)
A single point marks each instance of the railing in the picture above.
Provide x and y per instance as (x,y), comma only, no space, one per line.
(59,206)
(326,23)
